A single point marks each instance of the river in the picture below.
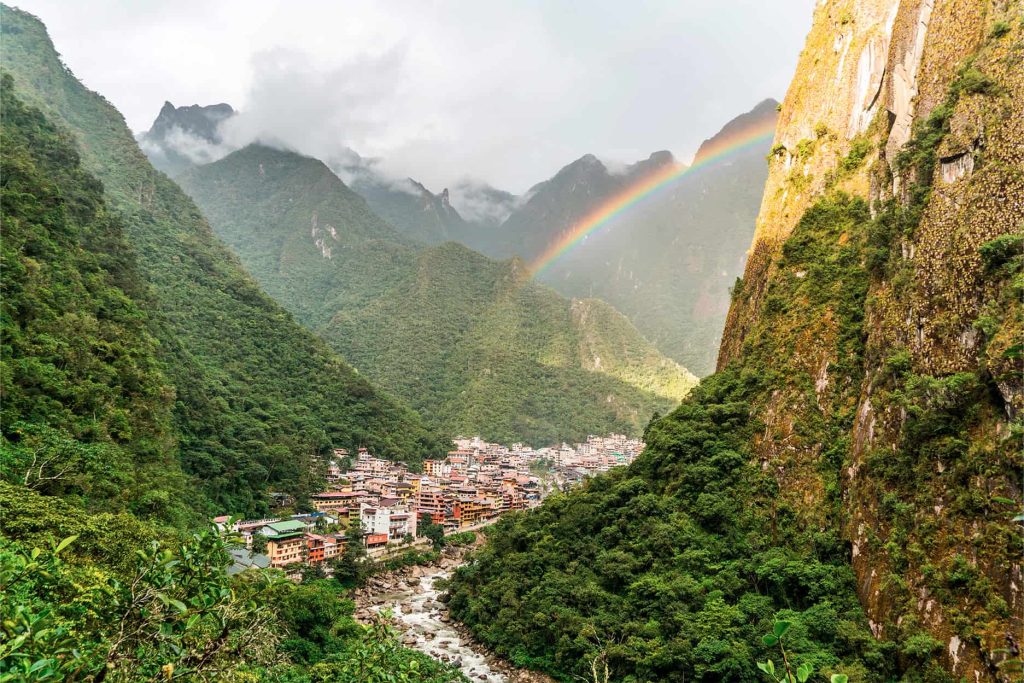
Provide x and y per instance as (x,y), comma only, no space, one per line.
(413,600)
(422,613)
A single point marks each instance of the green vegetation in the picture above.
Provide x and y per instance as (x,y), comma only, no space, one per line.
(113,601)
(461,538)
(252,395)
(678,565)
(673,568)
(86,411)
(1000,29)
(471,343)
(860,147)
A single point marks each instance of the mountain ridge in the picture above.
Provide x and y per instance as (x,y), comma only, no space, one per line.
(249,414)
(668,262)
(429,323)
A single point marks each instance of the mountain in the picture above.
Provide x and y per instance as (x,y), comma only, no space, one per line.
(253,395)
(84,390)
(555,205)
(482,205)
(409,206)
(182,137)
(471,209)
(88,450)
(471,343)
(850,475)
(669,260)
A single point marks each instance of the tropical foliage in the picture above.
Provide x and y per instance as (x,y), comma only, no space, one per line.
(115,600)
(252,395)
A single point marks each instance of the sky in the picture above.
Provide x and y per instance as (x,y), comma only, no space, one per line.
(500,91)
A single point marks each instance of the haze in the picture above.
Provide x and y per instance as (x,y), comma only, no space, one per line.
(444,90)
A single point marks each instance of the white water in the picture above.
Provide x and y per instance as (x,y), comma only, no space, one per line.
(425,618)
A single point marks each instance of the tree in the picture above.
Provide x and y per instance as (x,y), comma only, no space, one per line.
(435,532)
(259,543)
(312,572)
(352,567)
(176,615)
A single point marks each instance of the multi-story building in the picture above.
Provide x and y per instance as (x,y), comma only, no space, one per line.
(286,543)
(334,501)
(394,523)
(430,502)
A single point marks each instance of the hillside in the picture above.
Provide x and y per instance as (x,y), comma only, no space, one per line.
(853,467)
(254,394)
(669,261)
(469,342)
(414,210)
(90,592)
(86,410)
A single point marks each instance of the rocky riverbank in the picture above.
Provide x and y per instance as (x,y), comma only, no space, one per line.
(422,619)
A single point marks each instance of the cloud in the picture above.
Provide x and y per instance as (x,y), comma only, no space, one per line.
(480,203)
(508,92)
(196,149)
(295,103)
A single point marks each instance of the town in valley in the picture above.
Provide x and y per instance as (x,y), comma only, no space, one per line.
(386,507)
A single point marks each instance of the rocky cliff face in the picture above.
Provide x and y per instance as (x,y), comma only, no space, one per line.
(182,137)
(915,110)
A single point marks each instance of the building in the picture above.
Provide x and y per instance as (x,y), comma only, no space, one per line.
(286,542)
(242,559)
(334,501)
(387,521)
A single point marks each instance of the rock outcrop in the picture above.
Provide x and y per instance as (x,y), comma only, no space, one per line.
(915,107)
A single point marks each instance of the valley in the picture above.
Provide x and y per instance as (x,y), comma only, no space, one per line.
(414,364)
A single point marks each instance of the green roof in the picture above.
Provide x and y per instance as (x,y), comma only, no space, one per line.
(286,528)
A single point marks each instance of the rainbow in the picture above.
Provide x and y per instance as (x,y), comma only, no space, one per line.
(647,187)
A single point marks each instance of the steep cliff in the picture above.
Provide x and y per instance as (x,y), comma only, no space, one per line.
(854,465)
(914,107)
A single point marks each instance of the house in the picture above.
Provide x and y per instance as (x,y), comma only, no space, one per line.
(391,522)
(242,559)
(286,543)
(375,541)
(333,501)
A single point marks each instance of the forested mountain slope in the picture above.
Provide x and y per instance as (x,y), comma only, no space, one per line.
(667,262)
(86,408)
(470,342)
(854,465)
(89,591)
(254,394)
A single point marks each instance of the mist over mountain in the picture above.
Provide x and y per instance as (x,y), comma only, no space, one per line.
(182,137)
(668,261)
(481,204)
(470,342)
